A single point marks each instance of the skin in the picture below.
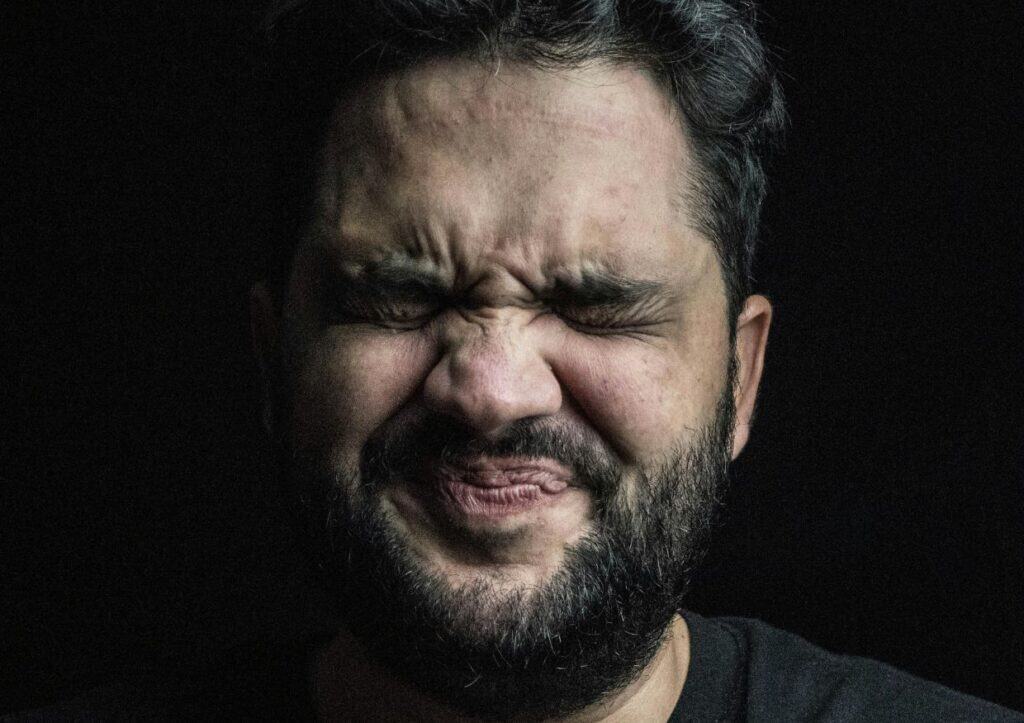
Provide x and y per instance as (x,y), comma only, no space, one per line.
(500,183)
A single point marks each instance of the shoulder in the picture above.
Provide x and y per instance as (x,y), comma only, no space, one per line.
(770,674)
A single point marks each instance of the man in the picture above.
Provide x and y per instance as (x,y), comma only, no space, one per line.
(509,347)
(514,348)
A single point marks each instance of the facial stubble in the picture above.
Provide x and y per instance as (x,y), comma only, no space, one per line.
(494,651)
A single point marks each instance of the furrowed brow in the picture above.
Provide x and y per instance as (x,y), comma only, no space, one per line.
(601,289)
(393,279)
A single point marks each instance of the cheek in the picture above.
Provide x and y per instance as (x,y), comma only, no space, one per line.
(351,383)
(641,397)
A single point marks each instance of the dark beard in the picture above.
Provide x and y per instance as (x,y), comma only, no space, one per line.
(586,633)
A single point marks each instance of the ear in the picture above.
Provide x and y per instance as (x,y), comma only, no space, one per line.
(751,339)
(264,326)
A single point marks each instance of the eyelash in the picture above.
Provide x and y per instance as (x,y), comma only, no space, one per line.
(606,324)
(385,315)
(392,316)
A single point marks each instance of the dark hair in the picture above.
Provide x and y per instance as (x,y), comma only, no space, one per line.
(706,52)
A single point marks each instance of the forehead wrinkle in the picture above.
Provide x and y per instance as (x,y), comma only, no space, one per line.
(443,104)
(392,119)
(381,132)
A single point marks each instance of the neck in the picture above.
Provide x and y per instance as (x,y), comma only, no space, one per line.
(348,685)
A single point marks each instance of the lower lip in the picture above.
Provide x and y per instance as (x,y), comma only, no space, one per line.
(494,502)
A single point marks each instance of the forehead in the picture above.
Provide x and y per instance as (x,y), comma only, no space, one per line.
(445,100)
(466,165)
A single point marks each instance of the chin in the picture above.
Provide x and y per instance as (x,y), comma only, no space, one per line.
(502,579)
(503,561)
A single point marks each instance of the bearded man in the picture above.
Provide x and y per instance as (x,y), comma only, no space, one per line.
(512,350)
(509,347)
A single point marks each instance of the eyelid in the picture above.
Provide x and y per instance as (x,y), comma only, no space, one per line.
(383,312)
(617,322)
(613,313)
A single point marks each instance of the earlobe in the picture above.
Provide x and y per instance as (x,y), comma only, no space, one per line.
(751,340)
(264,328)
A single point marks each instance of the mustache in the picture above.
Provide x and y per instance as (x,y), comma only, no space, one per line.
(404,447)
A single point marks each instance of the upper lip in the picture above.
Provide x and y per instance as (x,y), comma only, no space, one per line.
(514,464)
(502,471)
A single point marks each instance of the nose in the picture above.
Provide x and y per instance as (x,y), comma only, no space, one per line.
(492,379)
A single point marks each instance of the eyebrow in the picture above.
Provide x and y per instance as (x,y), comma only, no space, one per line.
(603,289)
(398,279)
(395,279)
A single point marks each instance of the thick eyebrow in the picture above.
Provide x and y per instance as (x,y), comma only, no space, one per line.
(603,289)
(394,279)
(398,279)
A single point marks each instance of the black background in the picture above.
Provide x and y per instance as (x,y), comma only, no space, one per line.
(878,510)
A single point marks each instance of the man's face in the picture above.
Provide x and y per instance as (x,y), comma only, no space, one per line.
(506,350)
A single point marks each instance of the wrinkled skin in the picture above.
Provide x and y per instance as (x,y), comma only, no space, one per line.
(504,190)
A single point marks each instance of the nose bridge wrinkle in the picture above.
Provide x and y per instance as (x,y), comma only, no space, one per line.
(486,326)
(489,375)
(488,346)
(483,316)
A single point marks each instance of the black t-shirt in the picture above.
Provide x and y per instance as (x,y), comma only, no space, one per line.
(744,670)
(740,670)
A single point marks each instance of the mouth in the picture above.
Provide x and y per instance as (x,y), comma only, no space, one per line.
(499,488)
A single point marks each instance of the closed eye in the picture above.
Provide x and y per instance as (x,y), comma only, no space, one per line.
(607,322)
(398,316)
(605,304)
(388,294)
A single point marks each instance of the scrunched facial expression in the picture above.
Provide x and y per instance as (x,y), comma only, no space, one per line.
(508,399)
